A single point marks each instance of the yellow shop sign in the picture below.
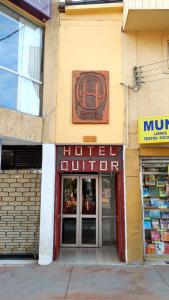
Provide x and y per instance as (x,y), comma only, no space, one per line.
(153,130)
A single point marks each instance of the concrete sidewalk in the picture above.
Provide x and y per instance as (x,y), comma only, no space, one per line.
(33,282)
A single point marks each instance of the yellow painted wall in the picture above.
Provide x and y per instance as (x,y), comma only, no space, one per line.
(140,49)
(90,42)
(134,242)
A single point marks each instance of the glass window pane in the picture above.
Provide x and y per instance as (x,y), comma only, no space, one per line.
(89,196)
(9,37)
(20,51)
(28,96)
(69,231)
(108,231)
(8,89)
(29,50)
(89,231)
(108,196)
(69,195)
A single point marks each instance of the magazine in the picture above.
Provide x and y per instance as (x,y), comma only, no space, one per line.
(149,179)
(146,203)
(166,248)
(161,181)
(167,189)
(145,192)
(159,248)
(164,224)
(147,224)
(165,236)
(154,202)
(163,204)
(162,192)
(154,213)
(151,249)
(155,235)
(146,214)
(164,214)
(155,224)
(153,191)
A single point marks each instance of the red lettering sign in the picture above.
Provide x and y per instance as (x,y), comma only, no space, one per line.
(89,151)
(89,158)
(89,166)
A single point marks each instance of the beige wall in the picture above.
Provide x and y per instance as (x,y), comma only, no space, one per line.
(145,15)
(50,75)
(19,126)
(90,42)
(140,49)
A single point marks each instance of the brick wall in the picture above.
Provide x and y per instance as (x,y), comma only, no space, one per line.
(19,211)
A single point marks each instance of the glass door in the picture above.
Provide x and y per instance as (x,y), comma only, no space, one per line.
(70,199)
(88,211)
(79,211)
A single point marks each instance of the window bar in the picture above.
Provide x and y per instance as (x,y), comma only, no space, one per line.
(19,74)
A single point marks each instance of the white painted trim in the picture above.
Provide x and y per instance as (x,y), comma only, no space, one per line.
(47,204)
(125,210)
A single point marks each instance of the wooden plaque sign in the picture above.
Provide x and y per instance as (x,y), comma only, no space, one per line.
(90,97)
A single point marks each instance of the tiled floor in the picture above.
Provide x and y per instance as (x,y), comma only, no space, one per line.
(96,256)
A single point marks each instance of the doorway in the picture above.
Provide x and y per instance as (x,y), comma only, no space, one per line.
(89,207)
(88,211)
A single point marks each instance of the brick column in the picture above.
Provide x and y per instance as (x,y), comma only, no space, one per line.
(47,204)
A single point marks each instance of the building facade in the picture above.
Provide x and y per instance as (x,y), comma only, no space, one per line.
(84,129)
(89,133)
(145,46)
(22,89)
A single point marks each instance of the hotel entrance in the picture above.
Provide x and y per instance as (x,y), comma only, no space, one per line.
(89,212)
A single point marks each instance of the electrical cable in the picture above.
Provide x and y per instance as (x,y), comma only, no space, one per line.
(167,66)
(11,34)
(151,75)
(155,80)
(153,63)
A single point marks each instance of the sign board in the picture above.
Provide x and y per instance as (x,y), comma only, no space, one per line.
(90,97)
(153,130)
(38,8)
(89,159)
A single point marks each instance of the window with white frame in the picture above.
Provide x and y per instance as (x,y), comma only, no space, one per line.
(20,62)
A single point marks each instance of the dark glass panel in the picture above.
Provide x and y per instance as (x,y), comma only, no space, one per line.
(69,231)
(88,231)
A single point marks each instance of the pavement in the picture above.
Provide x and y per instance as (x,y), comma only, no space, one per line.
(84,282)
